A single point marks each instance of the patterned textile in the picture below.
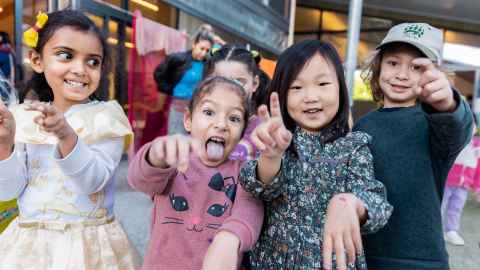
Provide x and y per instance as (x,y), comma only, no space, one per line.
(8,211)
(78,247)
(296,201)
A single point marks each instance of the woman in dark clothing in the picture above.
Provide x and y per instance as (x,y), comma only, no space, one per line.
(179,75)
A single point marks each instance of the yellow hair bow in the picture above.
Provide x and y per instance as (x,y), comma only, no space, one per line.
(30,37)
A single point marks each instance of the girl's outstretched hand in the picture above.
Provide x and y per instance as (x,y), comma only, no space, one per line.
(342,231)
(172,151)
(271,136)
(222,253)
(7,131)
(51,120)
(434,88)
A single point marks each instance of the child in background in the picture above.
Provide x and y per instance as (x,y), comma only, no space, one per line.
(417,133)
(476,180)
(233,61)
(319,188)
(198,204)
(59,156)
(460,179)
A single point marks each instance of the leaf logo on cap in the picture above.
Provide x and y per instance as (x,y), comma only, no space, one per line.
(414,31)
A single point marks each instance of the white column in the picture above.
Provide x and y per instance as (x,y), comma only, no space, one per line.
(354,23)
(75,4)
(476,95)
(291,25)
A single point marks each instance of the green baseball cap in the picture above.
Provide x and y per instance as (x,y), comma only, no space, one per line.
(426,38)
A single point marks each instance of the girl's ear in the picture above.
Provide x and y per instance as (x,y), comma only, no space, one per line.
(187,121)
(35,61)
(256,83)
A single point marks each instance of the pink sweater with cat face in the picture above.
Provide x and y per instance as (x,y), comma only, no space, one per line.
(189,209)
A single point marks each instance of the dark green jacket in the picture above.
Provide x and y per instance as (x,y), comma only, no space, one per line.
(413,149)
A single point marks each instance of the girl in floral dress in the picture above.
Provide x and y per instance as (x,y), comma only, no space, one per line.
(315,178)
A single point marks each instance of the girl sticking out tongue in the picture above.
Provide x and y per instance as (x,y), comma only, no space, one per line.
(203,218)
(215,149)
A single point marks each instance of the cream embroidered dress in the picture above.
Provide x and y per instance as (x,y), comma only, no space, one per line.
(66,219)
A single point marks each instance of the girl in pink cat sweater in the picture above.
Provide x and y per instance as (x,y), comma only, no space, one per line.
(198,204)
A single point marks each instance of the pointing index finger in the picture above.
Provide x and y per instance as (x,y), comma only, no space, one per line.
(275,105)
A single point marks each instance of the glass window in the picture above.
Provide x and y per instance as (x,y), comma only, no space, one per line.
(96,19)
(334,21)
(307,19)
(155,11)
(111,2)
(462,38)
(29,14)
(30,10)
(7,18)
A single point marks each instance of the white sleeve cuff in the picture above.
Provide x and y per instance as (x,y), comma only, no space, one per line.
(13,176)
(75,160)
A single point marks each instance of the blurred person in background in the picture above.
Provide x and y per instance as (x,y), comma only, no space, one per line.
(178,76)
(460,180)
(7,63)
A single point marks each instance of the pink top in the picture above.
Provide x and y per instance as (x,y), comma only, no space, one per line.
(476,179)
(464,171)
(189,209)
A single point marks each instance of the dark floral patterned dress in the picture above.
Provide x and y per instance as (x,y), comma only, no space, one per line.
(296,201)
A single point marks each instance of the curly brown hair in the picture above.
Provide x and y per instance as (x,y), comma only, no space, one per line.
(370,75)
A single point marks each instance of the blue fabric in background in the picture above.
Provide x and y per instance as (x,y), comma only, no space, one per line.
(184,89)
(5,63)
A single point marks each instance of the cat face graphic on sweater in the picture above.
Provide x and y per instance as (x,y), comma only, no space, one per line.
(210,211)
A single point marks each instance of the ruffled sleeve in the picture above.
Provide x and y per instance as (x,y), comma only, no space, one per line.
(253,185)
(362,183)
(94,123)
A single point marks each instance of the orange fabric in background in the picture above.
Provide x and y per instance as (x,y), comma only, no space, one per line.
(268,66)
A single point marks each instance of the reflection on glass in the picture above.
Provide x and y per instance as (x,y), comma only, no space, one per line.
(96,19)
(111,2)
(154,10)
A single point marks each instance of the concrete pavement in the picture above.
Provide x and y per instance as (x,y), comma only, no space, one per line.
(467,257)
(133,209)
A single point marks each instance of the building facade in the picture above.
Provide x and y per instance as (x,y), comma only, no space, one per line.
(328,20)
(259,24)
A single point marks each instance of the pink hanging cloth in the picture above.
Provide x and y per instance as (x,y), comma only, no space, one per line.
(153,41)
